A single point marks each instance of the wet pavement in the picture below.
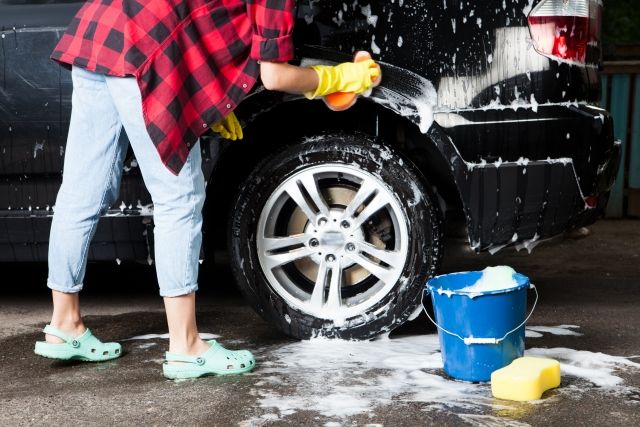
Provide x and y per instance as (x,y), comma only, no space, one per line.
(591,286)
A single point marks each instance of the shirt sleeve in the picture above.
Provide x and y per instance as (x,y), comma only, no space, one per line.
(272,22)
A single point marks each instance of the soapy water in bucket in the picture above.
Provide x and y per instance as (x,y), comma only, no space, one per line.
(492,279)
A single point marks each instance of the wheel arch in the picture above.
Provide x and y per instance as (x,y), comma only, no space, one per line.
(397,113)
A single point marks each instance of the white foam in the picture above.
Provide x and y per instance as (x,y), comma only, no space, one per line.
(490,421)
(339,379)
(371,18)
(419,107)
(353,377)
(493,279)
(556,330)
(446,292)
(597,368)
(374,47)
(146,345)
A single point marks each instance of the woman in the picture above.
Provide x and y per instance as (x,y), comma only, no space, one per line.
(165,71)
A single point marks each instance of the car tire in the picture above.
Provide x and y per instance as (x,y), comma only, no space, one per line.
(343,299)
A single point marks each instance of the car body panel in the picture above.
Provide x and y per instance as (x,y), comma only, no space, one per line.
(518,132)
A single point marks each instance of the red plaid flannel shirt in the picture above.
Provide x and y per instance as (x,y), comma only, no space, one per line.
(194,60)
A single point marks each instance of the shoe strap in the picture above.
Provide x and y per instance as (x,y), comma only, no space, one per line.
(75,342)
(50,330)
(198,360)
(174,357)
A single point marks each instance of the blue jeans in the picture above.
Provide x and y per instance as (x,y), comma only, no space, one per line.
(93,165)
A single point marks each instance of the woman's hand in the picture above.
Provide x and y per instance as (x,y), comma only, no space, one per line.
(319,80)
(354,77)
(228,128)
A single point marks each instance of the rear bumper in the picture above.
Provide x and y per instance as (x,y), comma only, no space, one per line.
(525,201)
(532,202)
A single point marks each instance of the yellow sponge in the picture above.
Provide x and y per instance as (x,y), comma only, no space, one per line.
(525,378)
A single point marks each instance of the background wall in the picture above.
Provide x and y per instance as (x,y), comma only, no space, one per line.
(621,96)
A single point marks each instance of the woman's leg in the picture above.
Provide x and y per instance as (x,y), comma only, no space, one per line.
(183,331)
(177,217)
(93,163)
(66,315)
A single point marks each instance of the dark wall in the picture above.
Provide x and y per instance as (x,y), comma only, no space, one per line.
(621,24)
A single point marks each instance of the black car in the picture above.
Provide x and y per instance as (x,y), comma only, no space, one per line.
(333,222)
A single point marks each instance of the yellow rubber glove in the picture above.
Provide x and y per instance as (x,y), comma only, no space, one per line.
(356,77)
(228,128)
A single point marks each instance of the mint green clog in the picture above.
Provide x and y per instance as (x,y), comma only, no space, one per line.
(86,347)
(215,361)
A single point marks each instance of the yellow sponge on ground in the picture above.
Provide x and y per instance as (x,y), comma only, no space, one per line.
(525,378)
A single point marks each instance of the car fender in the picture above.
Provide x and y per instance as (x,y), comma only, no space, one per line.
(405,93)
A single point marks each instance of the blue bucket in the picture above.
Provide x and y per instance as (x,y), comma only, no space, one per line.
(479,332)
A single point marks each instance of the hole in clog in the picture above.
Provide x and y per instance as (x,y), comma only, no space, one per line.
(229,366)
(242,366)
(117,351)
(93,350)
(104,353)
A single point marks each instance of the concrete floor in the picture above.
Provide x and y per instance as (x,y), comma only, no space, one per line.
(593,283)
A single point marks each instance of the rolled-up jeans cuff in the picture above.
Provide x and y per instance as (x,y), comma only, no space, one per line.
(74,289)
(171,293)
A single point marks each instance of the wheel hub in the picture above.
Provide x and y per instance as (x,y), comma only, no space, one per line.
(332,237)
(332,241)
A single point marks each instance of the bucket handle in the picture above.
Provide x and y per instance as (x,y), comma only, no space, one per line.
(473,340)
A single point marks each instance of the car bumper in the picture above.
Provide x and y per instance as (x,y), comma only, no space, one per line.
(521,202)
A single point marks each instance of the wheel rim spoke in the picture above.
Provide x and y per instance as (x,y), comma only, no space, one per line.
(293,190)
(378,202)
(334,299)
(394,259)
(305,193)
(276,260)
(276,243)
(317,297)
(366,190)
(311,187)
(382,273)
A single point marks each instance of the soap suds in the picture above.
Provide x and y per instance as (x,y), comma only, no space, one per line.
(420,107)
(374,47)
(493,279)
(597,368)
(371,18)
(339,379)
(556,330)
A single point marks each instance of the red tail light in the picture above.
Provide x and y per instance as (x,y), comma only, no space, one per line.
(565,29)
(591,201)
